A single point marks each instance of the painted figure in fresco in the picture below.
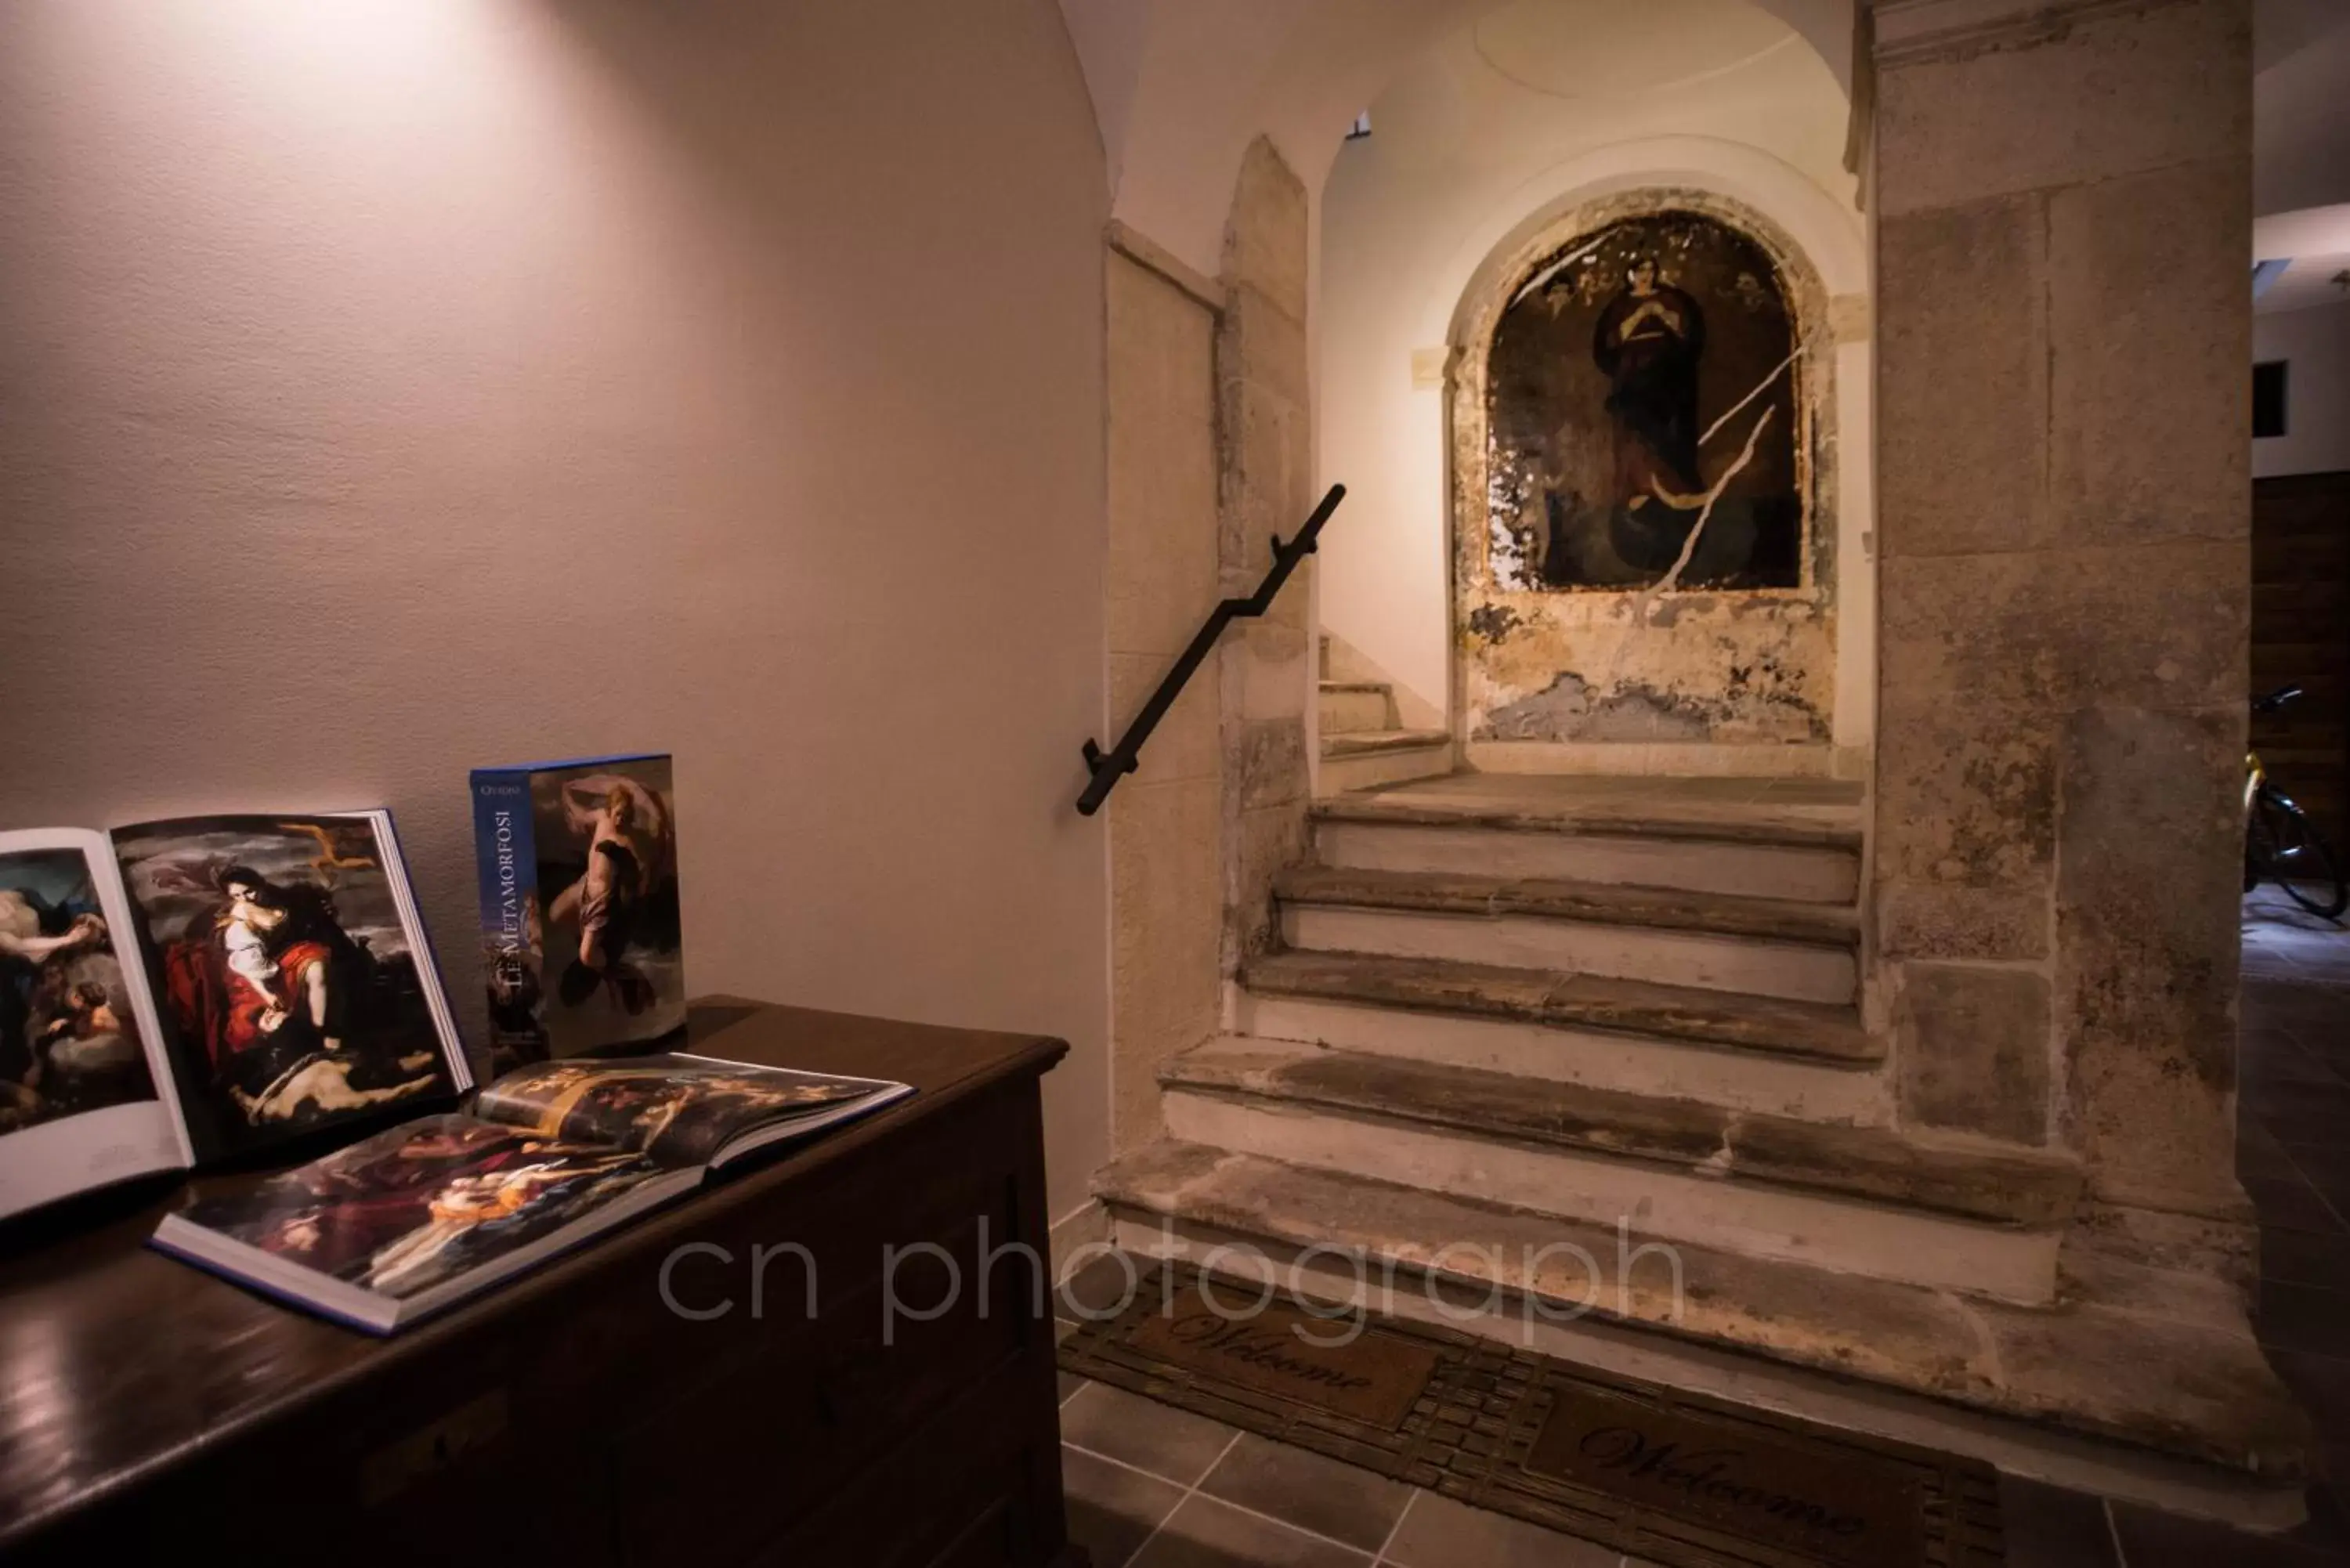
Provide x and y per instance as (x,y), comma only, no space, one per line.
(631,845)
(270,992)
(1648,342)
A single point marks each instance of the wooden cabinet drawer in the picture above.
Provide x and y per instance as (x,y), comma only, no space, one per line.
(718,1471)
(978,1486)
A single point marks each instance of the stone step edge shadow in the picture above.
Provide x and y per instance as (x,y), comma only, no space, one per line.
(2082,1394)
(1817,1032)
(1997,1186)
(1589,903)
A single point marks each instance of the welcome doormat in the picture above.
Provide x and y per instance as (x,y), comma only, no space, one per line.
(1676,1478)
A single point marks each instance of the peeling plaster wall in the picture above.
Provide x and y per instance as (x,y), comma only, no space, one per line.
(1750,667)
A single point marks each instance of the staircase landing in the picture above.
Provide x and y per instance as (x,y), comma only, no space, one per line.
(1737,807)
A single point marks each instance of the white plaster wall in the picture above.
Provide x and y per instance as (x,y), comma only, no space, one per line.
(1463,162)
(2301,116)
(392,388)
(2316,344)
(1181,88)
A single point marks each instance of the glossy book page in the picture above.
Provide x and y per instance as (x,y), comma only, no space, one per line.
(292,976)
(681,1110)
(85,1099)
(423,1204)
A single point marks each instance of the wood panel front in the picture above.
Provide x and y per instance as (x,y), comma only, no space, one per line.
(148,1410)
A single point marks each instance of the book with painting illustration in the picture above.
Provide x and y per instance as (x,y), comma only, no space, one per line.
(581,947)
(439,1210)
(183,993)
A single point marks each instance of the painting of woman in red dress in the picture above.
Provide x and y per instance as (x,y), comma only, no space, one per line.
(289,982)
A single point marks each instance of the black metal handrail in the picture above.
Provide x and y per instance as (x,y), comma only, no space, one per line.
(1108,767)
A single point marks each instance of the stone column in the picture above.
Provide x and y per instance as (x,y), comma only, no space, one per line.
(2063,194)
(1266,464)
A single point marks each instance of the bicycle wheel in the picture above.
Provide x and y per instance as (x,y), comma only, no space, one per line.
(2297,858)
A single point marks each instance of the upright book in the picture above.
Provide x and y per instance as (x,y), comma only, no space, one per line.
(429,1213)
(178,993)
(581,945)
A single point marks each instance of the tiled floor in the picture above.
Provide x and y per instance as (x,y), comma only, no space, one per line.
(1153,1487)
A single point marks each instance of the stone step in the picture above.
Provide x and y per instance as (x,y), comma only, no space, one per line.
(1355,706)
(1946,1213)
(1683,1014)
(1795,840)
(1367,759)
(1632,1064)
(1371,742)
(2019,1387)
(1760,946)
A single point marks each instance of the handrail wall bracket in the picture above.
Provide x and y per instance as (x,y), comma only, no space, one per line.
(1107,767)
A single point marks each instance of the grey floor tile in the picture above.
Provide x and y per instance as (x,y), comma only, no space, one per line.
(1326,1496)
(2259,1156)
(1112,1509)
(1174,1444)
(1070,1383)
(2291,1204)
(1437,1532)
(1205,1533)
(2321,1384)
(1098,1290)
(2303,1318)
(2048,1527)
(2151,1539)
(2300,1258)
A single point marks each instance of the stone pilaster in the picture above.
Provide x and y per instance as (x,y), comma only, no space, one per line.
(1265,458)
(1166,837)
(2064,199)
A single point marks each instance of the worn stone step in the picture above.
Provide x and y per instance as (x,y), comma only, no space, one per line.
(2184,1385)
(1369,759)
(1356,706)
(1367,743)
(1944,1213)
(1721,1019)
(1758,947)
(1633,1063)
(1784,838)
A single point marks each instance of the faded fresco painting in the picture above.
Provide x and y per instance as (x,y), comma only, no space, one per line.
(1642,409)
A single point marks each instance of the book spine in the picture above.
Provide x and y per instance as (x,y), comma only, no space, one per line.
(507,860)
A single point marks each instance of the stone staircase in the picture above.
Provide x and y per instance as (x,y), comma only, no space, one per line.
(1522,1032)
(1364,744)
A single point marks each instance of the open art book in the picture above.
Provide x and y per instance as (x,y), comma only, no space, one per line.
(177,993)
(417,1219)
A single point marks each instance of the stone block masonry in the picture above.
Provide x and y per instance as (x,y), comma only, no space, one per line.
(2063,200)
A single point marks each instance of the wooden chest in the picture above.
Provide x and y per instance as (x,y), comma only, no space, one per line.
(842,1358)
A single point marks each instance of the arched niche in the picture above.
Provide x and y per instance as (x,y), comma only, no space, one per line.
(1616,587)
